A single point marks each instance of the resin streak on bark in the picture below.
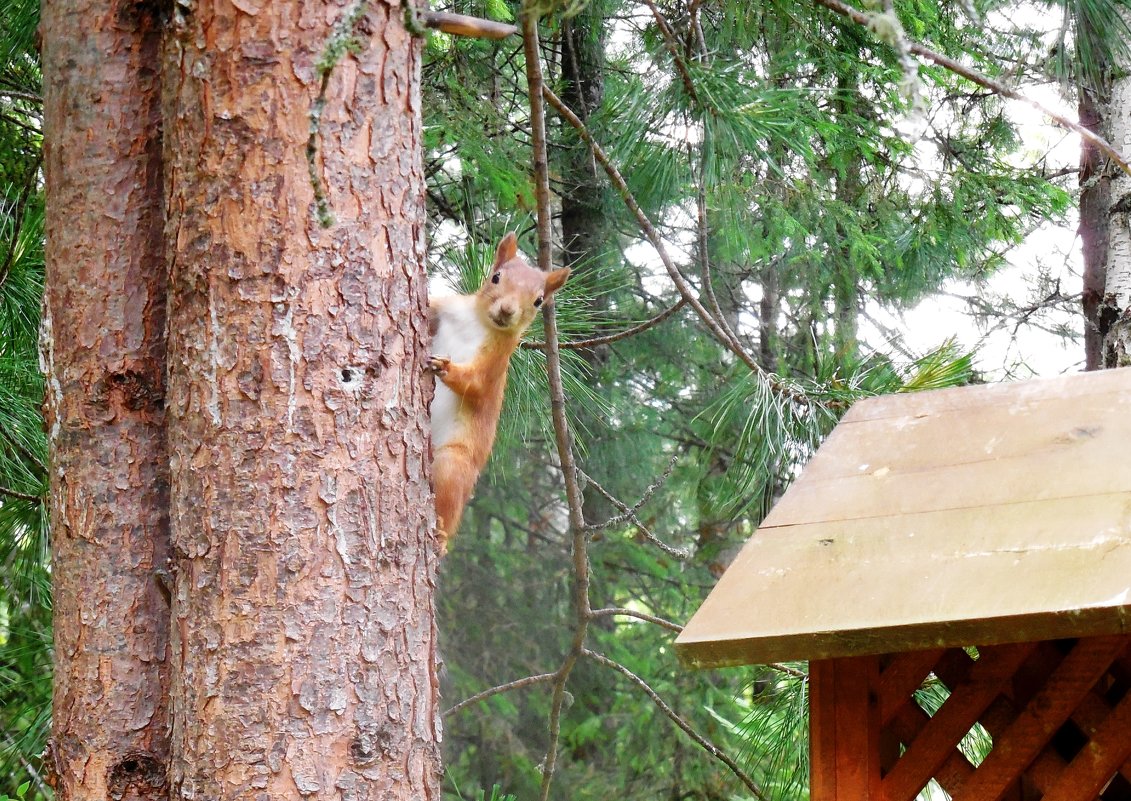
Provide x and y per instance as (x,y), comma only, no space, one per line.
(304,637)
(103,351)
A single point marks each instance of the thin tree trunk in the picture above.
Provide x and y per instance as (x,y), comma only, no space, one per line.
(1095,199)
(303,524)
(1117,296)
(104,353)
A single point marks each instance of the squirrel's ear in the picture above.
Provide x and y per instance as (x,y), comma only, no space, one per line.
(507,249)
(555,279)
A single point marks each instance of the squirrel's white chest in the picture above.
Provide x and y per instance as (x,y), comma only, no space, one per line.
(459,336)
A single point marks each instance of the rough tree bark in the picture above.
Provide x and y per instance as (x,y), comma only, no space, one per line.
(304,636)
(104,354)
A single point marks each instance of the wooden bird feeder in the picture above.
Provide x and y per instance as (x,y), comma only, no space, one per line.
(975,542)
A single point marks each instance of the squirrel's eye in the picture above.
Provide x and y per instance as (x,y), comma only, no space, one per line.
(537,303)
(495,278)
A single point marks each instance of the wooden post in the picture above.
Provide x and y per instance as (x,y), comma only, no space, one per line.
(844,729)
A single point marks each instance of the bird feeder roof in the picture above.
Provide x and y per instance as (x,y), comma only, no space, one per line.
(976,515)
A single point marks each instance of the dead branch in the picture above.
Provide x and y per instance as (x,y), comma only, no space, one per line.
(644,498)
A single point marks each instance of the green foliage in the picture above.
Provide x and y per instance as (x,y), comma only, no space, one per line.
(819,208)
(25,621)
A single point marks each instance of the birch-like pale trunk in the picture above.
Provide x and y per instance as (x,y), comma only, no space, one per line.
(1117,296)
(304,645)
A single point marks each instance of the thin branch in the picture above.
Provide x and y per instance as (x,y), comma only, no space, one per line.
(862,18)
(644,497)
(674,716)
(673,48)
(21,496)
(617,337)
(659,621)
(790,671)
(502,688)
(562,435)
(463,25)
(630,515)
(16,94)
(653,237)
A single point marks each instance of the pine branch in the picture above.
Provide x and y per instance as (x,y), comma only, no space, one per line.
(673,48)
(861,18)
(18,215)
(653,236)
(674,716)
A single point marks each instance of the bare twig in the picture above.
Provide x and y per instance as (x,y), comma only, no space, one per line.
(502,688)
(862,18)
(562,435)
(653,236)
(644,498)
(674,716)
(659,621)
(617,337)
(630,515)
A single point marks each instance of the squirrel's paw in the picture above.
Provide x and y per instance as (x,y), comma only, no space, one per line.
(438,365)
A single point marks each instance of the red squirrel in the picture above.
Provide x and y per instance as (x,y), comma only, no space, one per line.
(474,337)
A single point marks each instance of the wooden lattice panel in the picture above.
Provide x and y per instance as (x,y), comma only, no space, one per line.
(1054,715)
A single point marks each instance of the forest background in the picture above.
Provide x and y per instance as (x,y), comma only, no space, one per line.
(815,183)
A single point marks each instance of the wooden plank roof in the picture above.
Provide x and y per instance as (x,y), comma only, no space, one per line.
(969,516)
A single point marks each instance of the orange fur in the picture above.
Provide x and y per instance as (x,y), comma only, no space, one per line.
(482,331)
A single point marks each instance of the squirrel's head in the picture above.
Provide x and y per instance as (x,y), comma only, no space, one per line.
(514,291)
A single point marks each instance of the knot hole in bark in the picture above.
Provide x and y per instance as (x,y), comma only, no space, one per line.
(139,771)
(369,745)
(134,390)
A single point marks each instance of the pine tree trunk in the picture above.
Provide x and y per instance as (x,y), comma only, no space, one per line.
(304,646)
(104,353)
(1117,297)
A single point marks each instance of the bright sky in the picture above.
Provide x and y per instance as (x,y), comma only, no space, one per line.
(1051,253)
